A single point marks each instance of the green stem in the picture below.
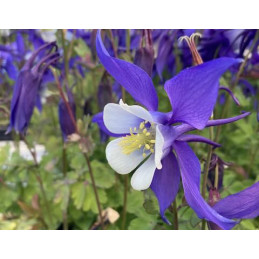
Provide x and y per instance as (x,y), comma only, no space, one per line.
(125,200)
(95,189)
(175,213)
(216,179)
(206,172)
(64,167)
(38,177)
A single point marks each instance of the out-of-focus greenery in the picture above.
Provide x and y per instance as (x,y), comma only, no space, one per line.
(70,200)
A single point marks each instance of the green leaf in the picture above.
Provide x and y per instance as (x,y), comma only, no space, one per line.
(78,191)
(142,224)
(90,200)
(247,224)
(81,48)
(135,202)
(84,197)
(103,174)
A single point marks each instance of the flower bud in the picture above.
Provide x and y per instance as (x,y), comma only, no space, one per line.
(65,121)
(144,57)
(217,167)
(27,87)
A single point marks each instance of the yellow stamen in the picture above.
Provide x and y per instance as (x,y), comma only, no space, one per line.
(144,137)
(142,125)
(147,146)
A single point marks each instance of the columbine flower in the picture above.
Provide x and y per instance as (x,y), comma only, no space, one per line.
(159,140)
(26,90)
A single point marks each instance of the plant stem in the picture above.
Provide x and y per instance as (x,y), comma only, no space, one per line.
(95,189)
(38,177)
(125,200)
(175,213)
(206,172)
(64,165)
(216,179)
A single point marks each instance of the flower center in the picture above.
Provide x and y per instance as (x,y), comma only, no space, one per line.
(143,137)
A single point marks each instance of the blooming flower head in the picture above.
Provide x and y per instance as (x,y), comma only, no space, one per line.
(27,87)
(155,143)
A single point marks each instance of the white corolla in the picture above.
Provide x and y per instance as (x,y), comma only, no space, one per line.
(143,140)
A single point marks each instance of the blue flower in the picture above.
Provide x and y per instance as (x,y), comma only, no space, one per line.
(26,91)
(155,143)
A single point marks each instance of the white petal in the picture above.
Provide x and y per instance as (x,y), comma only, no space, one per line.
(142,178)
(137,111)
(121,163)
(118,120)
(159,148)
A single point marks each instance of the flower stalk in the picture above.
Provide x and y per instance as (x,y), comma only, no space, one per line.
(38,178)
(175,213)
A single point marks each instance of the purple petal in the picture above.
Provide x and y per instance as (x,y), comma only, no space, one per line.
(38,103)
(226,121)
(242,205)
(165,183)
(197,138)
(134,79)
(190,172)
(193,92)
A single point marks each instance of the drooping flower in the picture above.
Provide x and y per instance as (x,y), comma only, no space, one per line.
(26,91)
(217,164)
(159,140)
(144,56)
(66,124)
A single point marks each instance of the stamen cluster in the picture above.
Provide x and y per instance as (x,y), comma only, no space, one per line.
(143,137)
